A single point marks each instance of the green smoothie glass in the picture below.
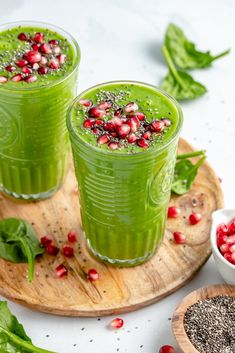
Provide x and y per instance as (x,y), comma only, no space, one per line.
(38,79)
(124,186)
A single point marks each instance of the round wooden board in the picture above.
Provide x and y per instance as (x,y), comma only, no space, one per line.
(117,290)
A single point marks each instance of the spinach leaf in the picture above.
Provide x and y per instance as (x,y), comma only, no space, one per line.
(18,243)
(184,53)
(179,84)
(13,338)
(186,172)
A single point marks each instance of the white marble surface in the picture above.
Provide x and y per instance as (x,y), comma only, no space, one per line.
(121,40)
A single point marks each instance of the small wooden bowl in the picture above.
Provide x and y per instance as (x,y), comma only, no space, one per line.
(178,317)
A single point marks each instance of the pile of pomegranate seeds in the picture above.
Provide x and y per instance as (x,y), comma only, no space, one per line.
(39,58)
(167,349)
(121,126)
(117,323)
(226,240)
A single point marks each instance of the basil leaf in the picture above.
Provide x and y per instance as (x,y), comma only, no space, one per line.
(179,84)
(13,338)
(184,175)
(18,243)
(184,53)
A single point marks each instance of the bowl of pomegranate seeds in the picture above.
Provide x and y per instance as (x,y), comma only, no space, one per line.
(223,243)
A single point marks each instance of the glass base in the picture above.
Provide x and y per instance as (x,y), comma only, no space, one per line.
(29,197)
(119,262)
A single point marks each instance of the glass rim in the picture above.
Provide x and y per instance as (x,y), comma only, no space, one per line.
(76,135)
(67,35)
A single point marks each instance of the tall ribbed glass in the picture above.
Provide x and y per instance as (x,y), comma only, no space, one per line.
(34,143)
(124,197)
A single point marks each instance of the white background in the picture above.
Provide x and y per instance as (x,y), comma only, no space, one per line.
(121,40)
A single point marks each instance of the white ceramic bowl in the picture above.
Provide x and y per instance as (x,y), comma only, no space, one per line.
(225,268)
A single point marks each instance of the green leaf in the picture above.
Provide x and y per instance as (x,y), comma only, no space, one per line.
(18,243)
(179,84)
(13,338)
(184,53)
(184,175)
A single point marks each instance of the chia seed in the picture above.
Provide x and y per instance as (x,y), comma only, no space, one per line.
(210,325)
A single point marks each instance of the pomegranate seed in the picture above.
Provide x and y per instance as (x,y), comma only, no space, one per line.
(228,257)
(43,60)
(230,239)
(221,239)
(225,248)
(42,70)
(222,229)
(21,63)
(10,68)
(108,126)
(113,145)
(92,275)
(147,135)
(3,79)
(98,122)
(131,107)
(233,258)
(31,78)
(88,123)
(173,212)
(231,248)
(195,218)
(113,134)
(133,124)
(46,240)
(68,251)
(166,122)
(231,227)
(16,78)
(167,349)
(85,102)
(103,139)
(139,116)
(35,47)
(179,237)
(53,42)
(45,48)
(56,50)
(157,125)
(54,64)
(52,249)
(72,236)
(38,37)
(131,138)
(35,66)
(142,143)
(26,70)
(104,105)
(123,130)
(61,58)
(97,113)
(22,36)
(118,112)
(61,271)
(33,56)
(116,121)
(96,131)
(117,323)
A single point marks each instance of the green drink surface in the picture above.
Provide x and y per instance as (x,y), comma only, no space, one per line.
(12,49)
(153,104)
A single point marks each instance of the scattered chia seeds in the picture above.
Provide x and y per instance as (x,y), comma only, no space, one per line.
(210,325)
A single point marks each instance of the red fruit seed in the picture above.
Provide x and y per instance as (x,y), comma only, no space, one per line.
(21,63)
(26,70)
(54,64)
(46,240)
(72,236)
(38,37)
(225,248)
(22,36)
(167,349)
(142,143)
(222,229)
(179,238)
(43,60)
(133,124)
(166,122)
(45,48)
(104,105)
(116,121)
(157,125)
(42,70)
(147,135)
(31,78)
(221,239)
(61,58)
(97,113)
(52,249)
(103,139)
(123,130)
(131,107)
(194,218)
(113,145)
(56,50)
(109,126)
(92,275)
(33,56)
(228,257)
(139,115)
(3,79)
(118,112)
(61,271)
(117,323)
(85,102)
(68,251)
(131,138)
(231,227)
(16,78)
(35,47)
(10,68)
(88,123)
(53,42)
(231,239)
(173,212)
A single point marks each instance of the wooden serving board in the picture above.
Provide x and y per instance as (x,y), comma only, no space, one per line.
(118,290)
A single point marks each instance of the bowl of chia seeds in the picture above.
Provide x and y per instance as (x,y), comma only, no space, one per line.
(204,322)
(222,239)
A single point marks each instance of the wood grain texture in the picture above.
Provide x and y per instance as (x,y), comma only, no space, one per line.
(117,290)
(192,298)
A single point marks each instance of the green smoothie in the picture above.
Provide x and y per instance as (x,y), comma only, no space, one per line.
(38,77)
(124,138)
